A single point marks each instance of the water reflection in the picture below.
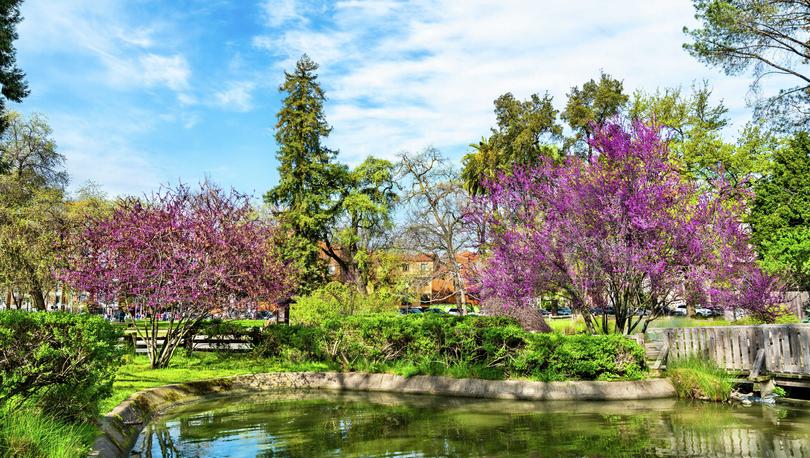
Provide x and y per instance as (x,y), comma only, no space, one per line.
(320,423)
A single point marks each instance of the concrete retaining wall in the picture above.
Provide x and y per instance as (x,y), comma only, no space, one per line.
(121,427)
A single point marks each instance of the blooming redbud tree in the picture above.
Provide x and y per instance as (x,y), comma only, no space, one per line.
(624,230)
(181,254)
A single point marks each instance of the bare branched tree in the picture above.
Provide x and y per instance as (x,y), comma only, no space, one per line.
(436,204)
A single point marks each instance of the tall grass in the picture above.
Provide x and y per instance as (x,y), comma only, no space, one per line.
(698,378)
(26,433)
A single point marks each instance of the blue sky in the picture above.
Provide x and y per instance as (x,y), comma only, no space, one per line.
(145,92)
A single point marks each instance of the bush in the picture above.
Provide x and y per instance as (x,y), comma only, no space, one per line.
(292,343)
(62,363)
(484,347)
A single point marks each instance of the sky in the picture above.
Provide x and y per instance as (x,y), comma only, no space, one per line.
(142,93)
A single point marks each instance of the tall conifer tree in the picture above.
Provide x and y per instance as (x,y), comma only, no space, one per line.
(307,175)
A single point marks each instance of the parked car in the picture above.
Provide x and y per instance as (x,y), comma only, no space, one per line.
(604,310)
(410,311)
(680,310)
(435,310)
(564,311)
(544,312)
(703,312)
(455,311)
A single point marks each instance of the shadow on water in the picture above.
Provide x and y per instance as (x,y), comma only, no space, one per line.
(323,423)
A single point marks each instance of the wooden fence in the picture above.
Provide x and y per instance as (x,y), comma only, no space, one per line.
(777,349)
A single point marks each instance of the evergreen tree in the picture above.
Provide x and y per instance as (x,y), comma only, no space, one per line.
(307,176)
(780,217)
(766,37)
(327,209)
(12,79)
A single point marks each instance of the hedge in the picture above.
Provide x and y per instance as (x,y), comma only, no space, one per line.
(490,347)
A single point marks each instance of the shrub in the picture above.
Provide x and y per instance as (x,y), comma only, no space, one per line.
(304,342)
(484,347)
(63,363)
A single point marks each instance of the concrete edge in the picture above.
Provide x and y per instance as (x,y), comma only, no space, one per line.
(120,428)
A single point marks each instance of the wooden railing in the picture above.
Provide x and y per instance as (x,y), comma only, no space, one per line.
(777,349)
(205,343)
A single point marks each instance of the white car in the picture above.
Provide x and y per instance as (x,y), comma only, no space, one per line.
(680,311)
(704,312)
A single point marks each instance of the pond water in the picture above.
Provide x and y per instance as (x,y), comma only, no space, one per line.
(324,423)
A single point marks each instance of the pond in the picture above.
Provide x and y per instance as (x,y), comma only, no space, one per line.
(324,423)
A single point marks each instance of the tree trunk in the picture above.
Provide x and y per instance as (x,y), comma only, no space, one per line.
(9,299)
(690,308)
(38,299)
(461,296)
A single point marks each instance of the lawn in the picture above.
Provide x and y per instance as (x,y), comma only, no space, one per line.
(577,325)
(135,374)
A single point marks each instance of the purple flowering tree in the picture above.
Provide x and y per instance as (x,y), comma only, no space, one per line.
(624,231)
(180,253)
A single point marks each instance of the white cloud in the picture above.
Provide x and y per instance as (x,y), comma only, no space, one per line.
(126,53)
(108,159)
(170,71)
(278,12)
(403,75)
(238,96)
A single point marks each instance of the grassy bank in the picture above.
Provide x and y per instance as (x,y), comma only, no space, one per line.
(135,374)
(696,378)
(28,433)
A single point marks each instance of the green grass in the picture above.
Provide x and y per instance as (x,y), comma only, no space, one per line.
(135,374)
(696,378)
(27,433)
(577,325)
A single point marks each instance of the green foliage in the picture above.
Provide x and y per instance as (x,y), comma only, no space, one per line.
(768,37)
(697,142)
(486,347)
(29,434)
(62,363)
(31,206)
(526,131)
(780,215)
(592,105)
(361,214)
(12,78)
(307,175)
(325,208)
(336,300)
(696,378)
